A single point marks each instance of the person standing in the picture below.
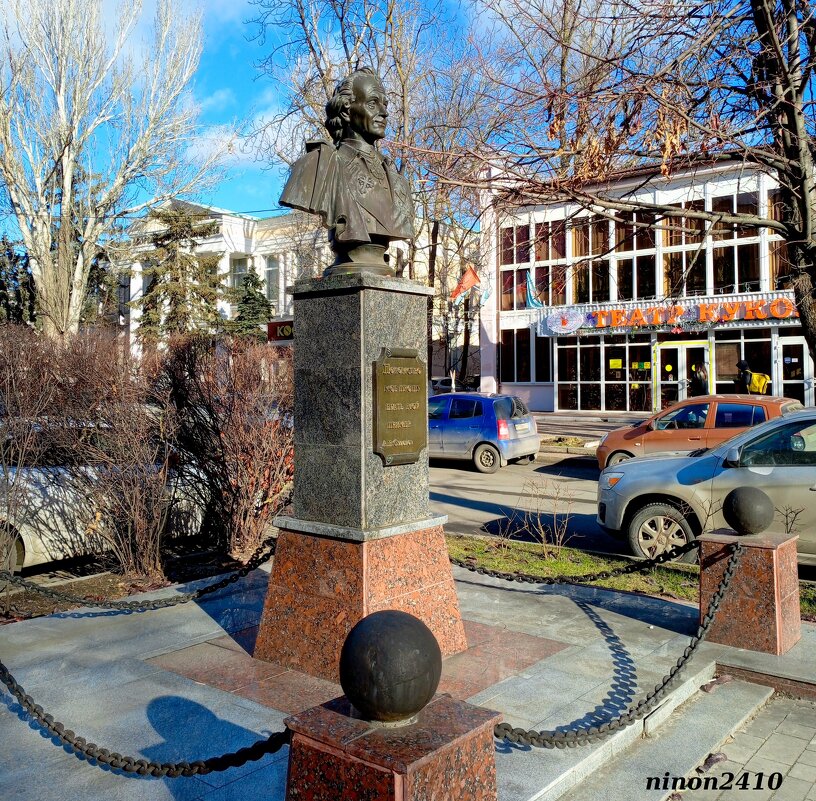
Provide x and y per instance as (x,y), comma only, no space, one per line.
(699,381)
(743,379)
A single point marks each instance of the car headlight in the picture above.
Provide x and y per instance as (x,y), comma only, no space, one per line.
(609,480)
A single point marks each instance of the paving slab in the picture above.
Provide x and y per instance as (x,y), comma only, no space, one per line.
(180,683)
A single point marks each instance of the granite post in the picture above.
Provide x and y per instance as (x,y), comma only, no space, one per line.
(760,611)
(361,538)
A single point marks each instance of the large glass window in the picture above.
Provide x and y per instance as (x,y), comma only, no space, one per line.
(514,244)
(515,356)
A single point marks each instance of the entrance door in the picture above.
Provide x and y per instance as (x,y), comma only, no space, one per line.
(676,363)
(797,371)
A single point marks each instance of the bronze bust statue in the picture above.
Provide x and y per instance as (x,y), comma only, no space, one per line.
(362,199)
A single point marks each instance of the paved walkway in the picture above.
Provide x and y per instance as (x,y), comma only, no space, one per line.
(180,683)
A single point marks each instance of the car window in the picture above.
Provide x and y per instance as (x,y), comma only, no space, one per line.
(791,444)
(436,408)
(510,408)
(465,407)
(691,416)
(738,415)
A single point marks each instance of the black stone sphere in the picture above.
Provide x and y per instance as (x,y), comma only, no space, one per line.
(390,666)
(748,510)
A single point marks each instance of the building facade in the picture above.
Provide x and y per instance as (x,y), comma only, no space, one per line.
(618,312)
(293,245)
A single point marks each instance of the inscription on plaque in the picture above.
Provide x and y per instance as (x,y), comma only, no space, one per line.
(400,406)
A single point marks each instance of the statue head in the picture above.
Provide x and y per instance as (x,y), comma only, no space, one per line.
(358,109)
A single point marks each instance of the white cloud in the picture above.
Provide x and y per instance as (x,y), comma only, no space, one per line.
(218,100)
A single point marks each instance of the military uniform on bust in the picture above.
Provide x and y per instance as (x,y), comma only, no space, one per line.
(362,199)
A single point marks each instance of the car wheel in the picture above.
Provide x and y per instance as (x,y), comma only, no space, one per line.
(617,458)
(659,527)
(486,459)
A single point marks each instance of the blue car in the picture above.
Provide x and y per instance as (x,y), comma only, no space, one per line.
(490,430)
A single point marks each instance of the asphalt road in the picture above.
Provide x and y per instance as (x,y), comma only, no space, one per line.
(555,493)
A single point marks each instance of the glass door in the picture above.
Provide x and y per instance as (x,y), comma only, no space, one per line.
(797,371)
(682,372)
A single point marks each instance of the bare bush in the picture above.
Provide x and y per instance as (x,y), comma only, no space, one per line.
(26,393)
(547,512)
(232,400)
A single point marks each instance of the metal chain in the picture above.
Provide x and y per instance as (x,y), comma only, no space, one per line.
(144,767)
(632,567)
(263,553)
(584,735)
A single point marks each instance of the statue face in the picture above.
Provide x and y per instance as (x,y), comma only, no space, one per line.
(368,113)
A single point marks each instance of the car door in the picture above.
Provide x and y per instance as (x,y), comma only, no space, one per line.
(732,417)
(782,463)
(679,430)
(463,426)
(437,415)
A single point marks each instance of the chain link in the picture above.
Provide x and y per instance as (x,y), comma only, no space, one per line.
(632,567)
(584,735)
(263,553)
(143,767)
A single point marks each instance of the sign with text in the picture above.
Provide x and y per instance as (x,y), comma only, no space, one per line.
(400,385)
(280,331)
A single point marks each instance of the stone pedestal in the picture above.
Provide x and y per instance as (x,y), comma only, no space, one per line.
(446,754)
(760,610)
(361,538)
(321,587)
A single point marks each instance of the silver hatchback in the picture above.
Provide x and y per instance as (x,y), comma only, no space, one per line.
(660,502)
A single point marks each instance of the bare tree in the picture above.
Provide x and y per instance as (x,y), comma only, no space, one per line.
(92,129)
(433,96)
(584,89)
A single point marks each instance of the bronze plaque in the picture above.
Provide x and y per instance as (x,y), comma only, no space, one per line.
(400,406)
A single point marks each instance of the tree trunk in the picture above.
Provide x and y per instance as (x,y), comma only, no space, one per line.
(431,282)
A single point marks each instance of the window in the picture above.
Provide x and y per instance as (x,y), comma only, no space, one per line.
(514,356)
(791,444)
(550,241)
(462,408)
(691,416)
(543,359)
(736,269)
(436,408)
(515,244)
(272,279)
(738,415)
(591,281)
(238,271)
(636,278)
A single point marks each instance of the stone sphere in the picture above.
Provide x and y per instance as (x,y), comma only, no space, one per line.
(390,666)
(748,510)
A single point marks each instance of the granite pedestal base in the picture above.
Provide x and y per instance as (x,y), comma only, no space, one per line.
(321,587)
(446,754)
(760,610)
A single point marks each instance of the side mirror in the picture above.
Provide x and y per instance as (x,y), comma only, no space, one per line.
(732,457)
(651,424)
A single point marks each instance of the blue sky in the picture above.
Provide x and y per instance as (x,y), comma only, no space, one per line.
(231,91)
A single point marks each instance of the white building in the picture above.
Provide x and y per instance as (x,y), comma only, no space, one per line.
(623,312)
(293,245)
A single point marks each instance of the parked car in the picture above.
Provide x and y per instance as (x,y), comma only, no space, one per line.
(701,422)
(663,501)
(490,430)
(441,385)
(45,512)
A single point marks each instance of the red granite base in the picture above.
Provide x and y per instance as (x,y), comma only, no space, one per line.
(320,588)
(446,754)
(760,610)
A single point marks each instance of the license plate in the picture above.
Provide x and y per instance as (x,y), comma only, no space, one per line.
(520,427)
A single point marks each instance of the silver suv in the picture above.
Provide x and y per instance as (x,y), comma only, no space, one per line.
(660,502)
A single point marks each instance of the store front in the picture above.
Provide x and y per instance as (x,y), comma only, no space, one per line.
(606,364)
